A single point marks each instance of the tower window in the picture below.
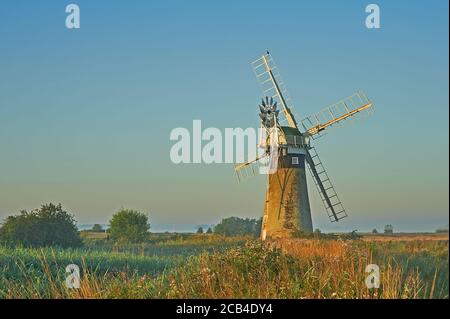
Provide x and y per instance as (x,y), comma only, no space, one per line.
(295,160)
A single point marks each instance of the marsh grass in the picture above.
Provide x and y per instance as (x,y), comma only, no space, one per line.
(407,269)
(297,268)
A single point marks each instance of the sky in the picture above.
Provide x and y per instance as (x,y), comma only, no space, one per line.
(86,114)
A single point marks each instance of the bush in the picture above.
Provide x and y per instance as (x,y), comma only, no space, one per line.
(48,226)
(235,226)
(129,226)
(97,228)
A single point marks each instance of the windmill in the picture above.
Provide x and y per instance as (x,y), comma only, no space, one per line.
(287,151)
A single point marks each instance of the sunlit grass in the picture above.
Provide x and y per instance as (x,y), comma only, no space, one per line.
(297,268)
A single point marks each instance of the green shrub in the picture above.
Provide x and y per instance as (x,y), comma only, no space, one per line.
(49,225)
(235,226)
(129,226)
(97,228)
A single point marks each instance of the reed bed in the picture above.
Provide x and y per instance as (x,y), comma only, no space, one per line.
(296,268)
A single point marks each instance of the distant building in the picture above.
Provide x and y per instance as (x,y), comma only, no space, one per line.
(389,229)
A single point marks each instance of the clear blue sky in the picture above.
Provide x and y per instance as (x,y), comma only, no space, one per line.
(85,115)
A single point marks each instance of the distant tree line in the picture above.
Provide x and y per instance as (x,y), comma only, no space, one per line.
(97,228)
(200,230)
(51,225)
(235,226)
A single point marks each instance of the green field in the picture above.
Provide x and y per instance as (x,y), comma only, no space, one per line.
(218,267)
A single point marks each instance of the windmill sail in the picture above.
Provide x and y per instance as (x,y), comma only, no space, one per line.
(332,116)
(267,162)
(330,199)
(272,85)
(248,169)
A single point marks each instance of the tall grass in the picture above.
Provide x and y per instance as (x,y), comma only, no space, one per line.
(407,269)
(298,268)
(311,269)
(189,247)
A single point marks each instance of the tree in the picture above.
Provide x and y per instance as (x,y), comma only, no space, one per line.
(49,225)
(200,230)
(97,228)
(130,226)
(209,231)
(235,226)
(374,231)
